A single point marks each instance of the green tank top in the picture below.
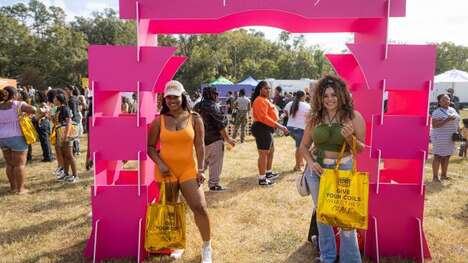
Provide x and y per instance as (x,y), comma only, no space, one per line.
(327,138)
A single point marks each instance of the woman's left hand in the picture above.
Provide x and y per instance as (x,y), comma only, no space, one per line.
(347,131)
(200,178)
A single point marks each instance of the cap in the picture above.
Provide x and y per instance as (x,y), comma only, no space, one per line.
(173,88)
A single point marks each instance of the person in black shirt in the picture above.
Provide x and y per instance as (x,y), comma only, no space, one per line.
(73,105)
(215,133)
(63,138)
(454,100)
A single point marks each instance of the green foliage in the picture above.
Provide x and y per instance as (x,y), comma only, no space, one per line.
(451,56)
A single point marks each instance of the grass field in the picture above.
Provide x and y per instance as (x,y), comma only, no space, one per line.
(250,224)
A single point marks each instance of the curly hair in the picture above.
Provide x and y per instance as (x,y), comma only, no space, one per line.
(345,109)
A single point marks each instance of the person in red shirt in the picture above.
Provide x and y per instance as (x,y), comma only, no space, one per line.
(266,120)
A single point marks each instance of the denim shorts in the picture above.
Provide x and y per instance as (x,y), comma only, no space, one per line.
(15,144)
(297,134)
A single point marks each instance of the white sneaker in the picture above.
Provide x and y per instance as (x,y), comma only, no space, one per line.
(206,255)
(71,179)
(61,175)
(57,171)
(177,254)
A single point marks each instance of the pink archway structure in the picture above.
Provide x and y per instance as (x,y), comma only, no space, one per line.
(397,138)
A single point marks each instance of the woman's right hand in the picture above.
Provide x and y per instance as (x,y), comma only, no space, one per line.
(164,170)
(284,129)
(316,168)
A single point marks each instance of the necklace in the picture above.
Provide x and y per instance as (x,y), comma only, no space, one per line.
(330,120)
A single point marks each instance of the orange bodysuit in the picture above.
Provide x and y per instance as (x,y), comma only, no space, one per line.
(177,153)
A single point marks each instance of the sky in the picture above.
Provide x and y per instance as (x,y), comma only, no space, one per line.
(426,21)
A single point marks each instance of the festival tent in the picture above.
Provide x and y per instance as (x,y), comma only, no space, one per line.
(221,81)
(455,79)
(224,85)
(249,81)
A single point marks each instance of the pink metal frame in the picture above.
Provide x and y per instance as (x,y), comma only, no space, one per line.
(397,139)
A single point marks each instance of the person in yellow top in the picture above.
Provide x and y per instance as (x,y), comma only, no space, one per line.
(265,117)
(179,131)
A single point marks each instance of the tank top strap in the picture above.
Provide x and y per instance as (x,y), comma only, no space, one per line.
(162,122)
(190,120)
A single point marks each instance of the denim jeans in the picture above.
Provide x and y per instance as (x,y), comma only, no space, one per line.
(349,249)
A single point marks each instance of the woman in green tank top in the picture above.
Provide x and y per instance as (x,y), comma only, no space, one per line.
(332,122)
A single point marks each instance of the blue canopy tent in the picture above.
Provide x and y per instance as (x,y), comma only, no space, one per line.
(223,87)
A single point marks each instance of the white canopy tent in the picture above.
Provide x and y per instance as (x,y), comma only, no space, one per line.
(455,79)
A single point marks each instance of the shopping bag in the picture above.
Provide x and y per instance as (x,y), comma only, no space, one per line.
(27,128)
(165,224)
(53,136)
(72,134)
(343,196)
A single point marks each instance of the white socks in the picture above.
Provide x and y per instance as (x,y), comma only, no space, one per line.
(206,244)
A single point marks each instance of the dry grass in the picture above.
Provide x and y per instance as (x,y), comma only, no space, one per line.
(250,224)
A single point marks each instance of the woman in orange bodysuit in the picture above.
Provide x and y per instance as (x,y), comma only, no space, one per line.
(179,131)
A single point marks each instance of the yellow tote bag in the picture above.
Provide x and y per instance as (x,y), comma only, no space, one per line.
(165,224)
(27,128)
(343,196)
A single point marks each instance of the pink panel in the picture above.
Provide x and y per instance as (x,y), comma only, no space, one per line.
(215,9)
(362,103)
(169,72)
(147,105)
(410,131)
(408,67)
(285,21)
(396,208)
(347,67)
(119,138)
(107,171)
(367,164)
(107,103)
(408,103)
(402,171)
(119,210)
(116,67)
(145,38)
(374,34)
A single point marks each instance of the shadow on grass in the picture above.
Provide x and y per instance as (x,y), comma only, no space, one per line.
(56,186)
(304,253)
(68,254)
(241,186)
(56,205)
(463,215)
(21,235)
(433,187)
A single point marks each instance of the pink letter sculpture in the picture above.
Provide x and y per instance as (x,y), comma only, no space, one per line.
(397,138)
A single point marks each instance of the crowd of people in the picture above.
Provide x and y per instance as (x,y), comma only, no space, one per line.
(59,120)
(189,138)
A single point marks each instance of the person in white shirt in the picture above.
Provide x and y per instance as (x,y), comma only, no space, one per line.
(297,111)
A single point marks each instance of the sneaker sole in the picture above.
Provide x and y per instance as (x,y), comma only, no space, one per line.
(273,177)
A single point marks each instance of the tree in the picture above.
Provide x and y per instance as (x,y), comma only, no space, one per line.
(105,28)
(451,56)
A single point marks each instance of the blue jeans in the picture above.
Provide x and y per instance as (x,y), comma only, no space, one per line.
(349,249)
(297,134)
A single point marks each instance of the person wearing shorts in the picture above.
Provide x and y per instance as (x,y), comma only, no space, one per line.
(297,111)
(265,121)
(12,141)
(179,131)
